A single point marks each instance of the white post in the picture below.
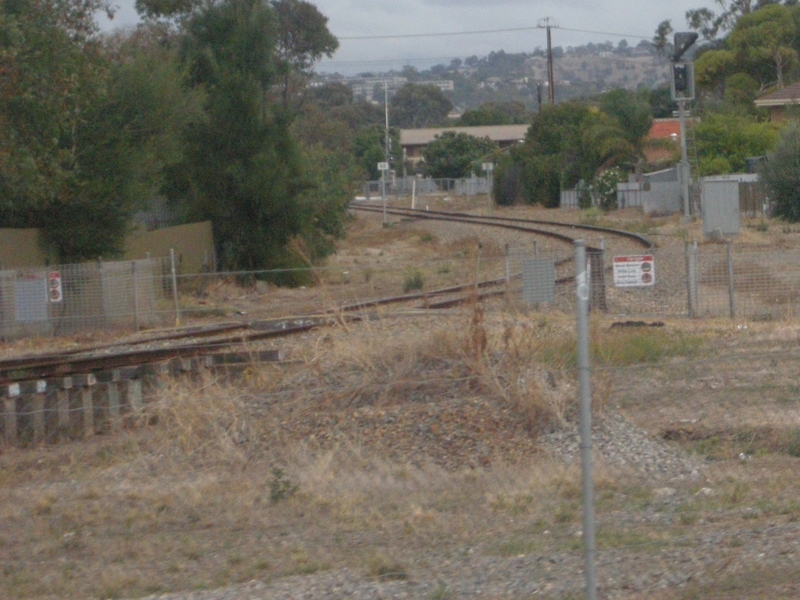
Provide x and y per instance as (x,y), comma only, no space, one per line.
(175,287)
(582,293)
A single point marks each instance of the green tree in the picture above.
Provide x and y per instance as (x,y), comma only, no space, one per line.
(726,139)
(129,135)
(632,113)
(415,106)
(763,44)
(302,39)
(452,155)
(497,113)
(242,168)
(369,149)
(763,40)
(781,173)
(83,136)
(565,144)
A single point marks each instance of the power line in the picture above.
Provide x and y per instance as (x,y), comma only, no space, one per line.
(387,60)
(482,32)
(620,58)
(620,35)
(439,34)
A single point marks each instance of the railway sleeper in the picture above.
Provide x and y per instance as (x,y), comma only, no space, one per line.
(49,411)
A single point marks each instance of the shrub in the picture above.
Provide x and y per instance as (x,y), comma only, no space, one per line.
(605,188)
(781,175)
(413,281)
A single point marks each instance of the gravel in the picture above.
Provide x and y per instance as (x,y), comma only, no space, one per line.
(478,573)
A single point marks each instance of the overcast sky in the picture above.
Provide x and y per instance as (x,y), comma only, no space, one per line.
(579,22)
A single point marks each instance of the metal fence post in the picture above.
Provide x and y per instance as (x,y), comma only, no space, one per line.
(174,287)
(691,278)
(598,280)
(508,270)
(135,295)
(582,291)
(731,297)
(478,267)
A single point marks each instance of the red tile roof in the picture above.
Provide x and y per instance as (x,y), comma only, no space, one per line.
(664,128)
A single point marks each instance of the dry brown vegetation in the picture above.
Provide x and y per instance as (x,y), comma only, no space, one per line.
(420,449)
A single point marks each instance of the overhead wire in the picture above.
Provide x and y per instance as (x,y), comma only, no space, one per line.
(443,34)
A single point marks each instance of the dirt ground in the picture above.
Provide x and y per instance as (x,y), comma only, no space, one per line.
(415,456)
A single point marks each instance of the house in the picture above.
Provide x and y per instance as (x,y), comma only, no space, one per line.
(780,100)
(413,141)
(662,129)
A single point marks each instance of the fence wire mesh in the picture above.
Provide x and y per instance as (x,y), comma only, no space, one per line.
(67,299)
(712,280)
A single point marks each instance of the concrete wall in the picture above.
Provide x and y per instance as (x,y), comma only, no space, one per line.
(193,245)
(21,248)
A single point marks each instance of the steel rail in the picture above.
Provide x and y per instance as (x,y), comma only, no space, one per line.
(415,212)
(202,340)
(50,366)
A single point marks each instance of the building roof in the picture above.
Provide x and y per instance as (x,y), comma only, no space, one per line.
(496,133)
(789,94)
(664,128)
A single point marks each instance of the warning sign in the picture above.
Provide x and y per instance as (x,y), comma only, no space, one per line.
(634,271)
(56,293)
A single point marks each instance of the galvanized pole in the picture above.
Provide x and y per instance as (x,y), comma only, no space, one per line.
(731,291)
(685,172)
(135,295)
(386,142)
(174,287)
(691,278)
(478,267)
(582,292)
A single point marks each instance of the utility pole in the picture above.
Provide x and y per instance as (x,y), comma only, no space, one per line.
(385,167)
(682,89)
(551,84)
(388,143)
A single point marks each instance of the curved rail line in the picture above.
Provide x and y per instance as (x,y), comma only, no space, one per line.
(507,222)
(200,341)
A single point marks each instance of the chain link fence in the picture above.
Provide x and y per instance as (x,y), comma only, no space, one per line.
(710,280)
(67,299)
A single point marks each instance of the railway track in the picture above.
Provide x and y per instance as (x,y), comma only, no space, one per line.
(511,223)
(196,341)
(43,393)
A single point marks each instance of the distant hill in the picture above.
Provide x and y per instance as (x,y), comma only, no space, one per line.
(522,77)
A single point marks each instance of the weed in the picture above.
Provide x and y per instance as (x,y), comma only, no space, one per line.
(384,568)
(442,592)
(413,281)
(280,486)
(426,237)
(444,269)
(518,547)
(793,443)
(590,216)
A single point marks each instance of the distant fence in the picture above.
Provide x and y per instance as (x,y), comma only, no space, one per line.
(66,299)
(665,196)
(709,280)
(406,186)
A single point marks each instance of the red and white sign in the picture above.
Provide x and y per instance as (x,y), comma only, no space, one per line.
(634,271)
(54,289)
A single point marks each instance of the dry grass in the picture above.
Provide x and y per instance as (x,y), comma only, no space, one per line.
(226,483)
(395,445)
